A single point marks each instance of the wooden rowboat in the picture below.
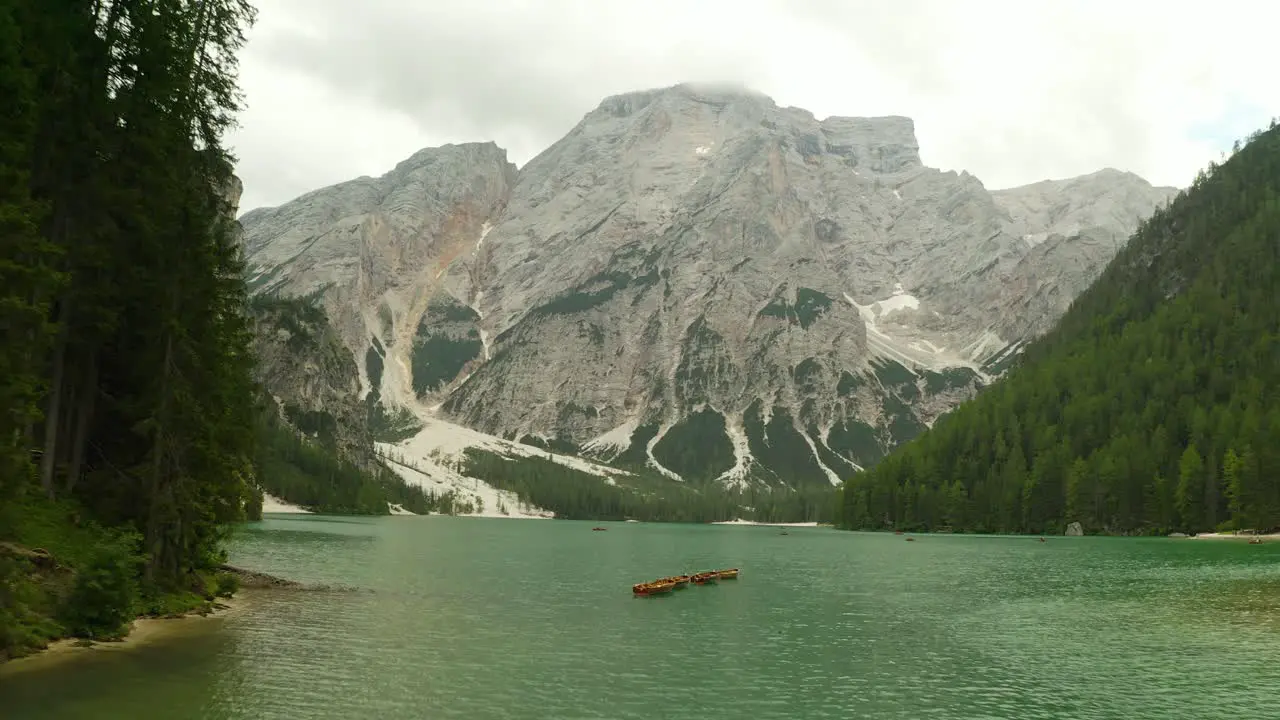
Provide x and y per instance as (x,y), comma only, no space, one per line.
(658,587)
(703,578)
(730,574)
(681,581)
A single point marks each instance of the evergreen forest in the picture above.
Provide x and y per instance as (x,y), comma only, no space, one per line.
(1152,407)
(127,442)
(637,494)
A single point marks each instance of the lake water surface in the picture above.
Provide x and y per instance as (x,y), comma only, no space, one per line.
(476,618)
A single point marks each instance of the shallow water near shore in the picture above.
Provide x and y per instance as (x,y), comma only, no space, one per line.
(472,618)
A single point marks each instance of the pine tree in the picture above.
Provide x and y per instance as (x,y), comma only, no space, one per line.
(1190,489)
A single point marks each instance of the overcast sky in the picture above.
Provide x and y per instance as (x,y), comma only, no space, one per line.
(1013,92)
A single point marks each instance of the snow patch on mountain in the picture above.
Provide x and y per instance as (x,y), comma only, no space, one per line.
(813,449)
(432,475)
(736,476)
(431,459)
(613,441)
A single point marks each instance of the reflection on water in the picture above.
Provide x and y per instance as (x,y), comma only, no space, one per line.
(478,618)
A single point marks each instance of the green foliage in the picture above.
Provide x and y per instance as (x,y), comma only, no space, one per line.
(438,358)
(1151,407)
(892,373)
(102,600)
(595,292)
(28,280)
(902,423)
(24,623)
(316,476)
(849,383)
(313,475)
(809,306)
(577,495)
(779,446)
(156,602)
(253,505)
(696,447)
(420,501)
(301,317)
(317,423)
(806,373)
(837,463)
(125,362)
(373,365)
(636,455)
(705,363)
(444,308)
(856,441)
(226,584)
(392,427)
(555,444)
(949,379)
(1000,361)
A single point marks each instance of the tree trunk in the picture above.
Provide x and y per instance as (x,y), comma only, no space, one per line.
(53,409)
(154,545)
(84,415)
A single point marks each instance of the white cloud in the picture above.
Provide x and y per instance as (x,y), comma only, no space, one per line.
(1013,92)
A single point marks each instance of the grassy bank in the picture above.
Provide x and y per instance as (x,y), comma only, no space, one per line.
(64,576)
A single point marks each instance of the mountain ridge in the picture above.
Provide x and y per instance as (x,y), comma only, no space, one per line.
(693,266)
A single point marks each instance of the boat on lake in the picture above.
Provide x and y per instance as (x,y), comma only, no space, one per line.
(703,578)
(681,581)
(730,574)
(596,529)
(657,587)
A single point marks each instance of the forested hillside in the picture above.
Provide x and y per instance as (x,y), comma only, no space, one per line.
(576,495)
(1154,406)
(127,437)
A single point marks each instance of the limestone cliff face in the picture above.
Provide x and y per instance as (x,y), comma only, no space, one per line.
(310,374)
(696,279)
(372,251)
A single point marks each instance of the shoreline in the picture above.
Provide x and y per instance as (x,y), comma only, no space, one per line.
(740,521)
(142,631)
(146,629)
(1232,536)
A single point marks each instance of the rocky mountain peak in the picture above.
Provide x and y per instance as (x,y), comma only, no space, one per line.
(693,279)
(720,111)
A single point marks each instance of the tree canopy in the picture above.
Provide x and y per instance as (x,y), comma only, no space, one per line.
(125,371)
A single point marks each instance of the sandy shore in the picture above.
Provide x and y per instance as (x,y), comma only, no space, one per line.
(142,631)
(273,504)
(1273,537)
(740,521)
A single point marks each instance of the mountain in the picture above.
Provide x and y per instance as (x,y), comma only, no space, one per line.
(1153,405)
(693,281)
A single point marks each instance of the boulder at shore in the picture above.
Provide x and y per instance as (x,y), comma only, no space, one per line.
(1075,530)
